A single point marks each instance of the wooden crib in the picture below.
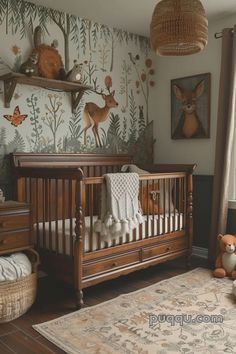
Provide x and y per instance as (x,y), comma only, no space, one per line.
(64,192)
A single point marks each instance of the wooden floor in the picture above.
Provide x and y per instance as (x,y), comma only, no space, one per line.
(55,300)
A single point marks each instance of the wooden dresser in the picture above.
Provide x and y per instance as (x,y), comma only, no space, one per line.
(15,227)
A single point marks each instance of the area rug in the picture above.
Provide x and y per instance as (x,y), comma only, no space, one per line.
(190,313)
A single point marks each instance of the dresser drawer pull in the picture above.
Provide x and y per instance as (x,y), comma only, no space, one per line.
(2,224)
(114,264)
(168,249)
(3,242)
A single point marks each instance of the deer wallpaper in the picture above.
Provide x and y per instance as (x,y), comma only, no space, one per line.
(117,64)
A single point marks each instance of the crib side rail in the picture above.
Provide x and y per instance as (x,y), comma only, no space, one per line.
(144,177)
(169,168)
(49,172)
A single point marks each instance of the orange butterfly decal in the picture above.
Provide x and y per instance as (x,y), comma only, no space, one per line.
(17,118)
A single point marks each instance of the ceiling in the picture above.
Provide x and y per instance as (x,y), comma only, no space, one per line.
(132,15)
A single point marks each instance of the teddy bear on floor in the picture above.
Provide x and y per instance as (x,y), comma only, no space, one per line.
(226,260)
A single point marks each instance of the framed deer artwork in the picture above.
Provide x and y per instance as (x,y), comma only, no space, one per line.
(190,107)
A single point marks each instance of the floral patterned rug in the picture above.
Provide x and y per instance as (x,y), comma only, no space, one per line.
(191,313)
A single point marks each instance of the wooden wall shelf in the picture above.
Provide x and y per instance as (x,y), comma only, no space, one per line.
(12,79)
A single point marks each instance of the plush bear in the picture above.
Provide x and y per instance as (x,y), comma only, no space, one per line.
(29,67)
(226,260)
(74,75)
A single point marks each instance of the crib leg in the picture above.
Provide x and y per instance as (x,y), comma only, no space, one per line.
(79,299)
(188,261)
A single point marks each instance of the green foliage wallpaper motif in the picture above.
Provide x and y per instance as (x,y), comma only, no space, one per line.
(113,118)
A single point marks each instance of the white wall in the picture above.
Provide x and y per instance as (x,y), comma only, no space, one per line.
(200,151)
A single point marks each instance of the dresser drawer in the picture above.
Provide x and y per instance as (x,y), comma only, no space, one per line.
(14,240)
(111,263)
(166,248)
(14,222)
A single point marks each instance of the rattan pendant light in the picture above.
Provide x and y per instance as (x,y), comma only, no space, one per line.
(178,27)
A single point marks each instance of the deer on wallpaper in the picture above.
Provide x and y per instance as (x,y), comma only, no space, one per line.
(189,125)
(93,115)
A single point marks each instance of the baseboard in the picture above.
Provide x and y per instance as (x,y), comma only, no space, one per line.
(200,252)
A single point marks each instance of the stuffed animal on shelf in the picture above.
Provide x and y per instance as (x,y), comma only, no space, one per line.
(226,260)
(49,60)
(74,75)
(29,67)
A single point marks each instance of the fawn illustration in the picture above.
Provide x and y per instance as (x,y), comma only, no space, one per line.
(94,115)
(189,125)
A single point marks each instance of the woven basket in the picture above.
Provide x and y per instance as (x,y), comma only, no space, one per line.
(16,297)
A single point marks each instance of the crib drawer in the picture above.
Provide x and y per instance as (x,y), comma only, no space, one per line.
(166,248)
(14,240)
(111,263)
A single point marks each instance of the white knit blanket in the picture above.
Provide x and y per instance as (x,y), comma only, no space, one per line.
(120,212)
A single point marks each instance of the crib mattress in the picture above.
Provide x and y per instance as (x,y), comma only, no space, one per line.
(153,225)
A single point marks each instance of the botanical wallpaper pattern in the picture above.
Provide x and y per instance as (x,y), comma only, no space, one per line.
(117,64)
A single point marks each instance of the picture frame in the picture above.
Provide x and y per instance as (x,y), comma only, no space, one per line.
(190,107)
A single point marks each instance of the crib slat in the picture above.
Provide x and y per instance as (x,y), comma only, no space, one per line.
(127,238)
(85,170)
(147,202)
(135,234)
(26,190)
(185,202)
(63,216)
(180,201)
(164,206)
(47,207)
(169,209)
(91,201)
(100,171)
(50,213)
(37,212)
(91,171)
(30,191)
(174,203)
(153,209)
(21,197)
(99,241)
(141,199)
(159,208)
(98,197)
(46,197)
(70,217)
(56,206)
(43,200)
